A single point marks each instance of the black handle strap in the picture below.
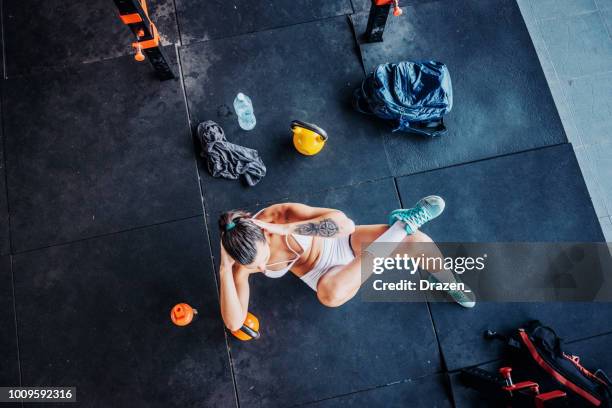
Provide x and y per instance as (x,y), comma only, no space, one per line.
(310,126)
(436,128)
(250,331)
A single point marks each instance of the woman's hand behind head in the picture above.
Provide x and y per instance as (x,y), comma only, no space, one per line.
(226,260)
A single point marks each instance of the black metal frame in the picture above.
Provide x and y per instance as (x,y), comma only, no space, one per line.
(377,21)
(156,56)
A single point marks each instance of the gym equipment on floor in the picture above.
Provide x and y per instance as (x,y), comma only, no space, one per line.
(308,138)
(412,96)
(538,349)
(135,15)
(377,19)
(249,329)
(182,314)
(501,389)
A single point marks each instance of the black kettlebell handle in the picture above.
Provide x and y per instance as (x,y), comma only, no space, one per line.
(250,331)
(311,127)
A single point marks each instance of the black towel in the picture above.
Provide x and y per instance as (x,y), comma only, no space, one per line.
(226,159)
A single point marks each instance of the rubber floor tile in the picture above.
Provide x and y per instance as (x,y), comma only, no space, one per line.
(215,19)
(4,216)
(427,392)
(94,150)
(9,370)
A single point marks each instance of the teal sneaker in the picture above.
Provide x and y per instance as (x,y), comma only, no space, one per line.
(465,298)
(426,209)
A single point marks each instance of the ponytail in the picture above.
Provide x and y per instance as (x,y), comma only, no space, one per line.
(239,235)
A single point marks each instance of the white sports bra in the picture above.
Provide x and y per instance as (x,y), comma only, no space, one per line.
(304,242)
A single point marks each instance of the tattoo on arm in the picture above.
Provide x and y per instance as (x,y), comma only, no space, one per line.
(324,228)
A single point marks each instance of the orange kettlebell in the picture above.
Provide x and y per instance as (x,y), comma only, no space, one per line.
(182,314)
(249,329)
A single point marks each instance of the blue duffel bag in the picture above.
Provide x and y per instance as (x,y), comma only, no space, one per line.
(415,96)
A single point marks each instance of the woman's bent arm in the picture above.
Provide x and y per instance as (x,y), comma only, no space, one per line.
(303,219)
(234,295)
(330,225)
(323,222)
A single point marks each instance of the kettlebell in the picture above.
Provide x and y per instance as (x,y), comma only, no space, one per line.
(249,329)
(308,139)
(182,314)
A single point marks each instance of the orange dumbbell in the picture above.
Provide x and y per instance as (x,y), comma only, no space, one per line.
(182,314)
(249,329)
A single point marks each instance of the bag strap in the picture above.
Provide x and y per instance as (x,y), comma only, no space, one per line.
(432,129)
(601,374)
(603,380)
(358,99)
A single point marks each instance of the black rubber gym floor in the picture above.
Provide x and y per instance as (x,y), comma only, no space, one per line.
(125,160)
(4,219)
(213,19)
(9,374)
(108,215)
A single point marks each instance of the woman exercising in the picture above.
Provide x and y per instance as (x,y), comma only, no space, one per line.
(321,246)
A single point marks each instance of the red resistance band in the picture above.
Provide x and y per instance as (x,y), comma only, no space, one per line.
(555,374)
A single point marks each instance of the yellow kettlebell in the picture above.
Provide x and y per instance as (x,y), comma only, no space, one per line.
(308,139)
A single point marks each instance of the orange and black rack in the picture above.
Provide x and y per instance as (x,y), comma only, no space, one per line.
(377,19)
(135,15)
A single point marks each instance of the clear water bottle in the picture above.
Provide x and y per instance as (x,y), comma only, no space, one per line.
(244,110)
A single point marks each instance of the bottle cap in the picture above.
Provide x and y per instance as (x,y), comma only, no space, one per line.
(182,314)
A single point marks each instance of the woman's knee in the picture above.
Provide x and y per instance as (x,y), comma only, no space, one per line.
(419,236)
(330,294)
